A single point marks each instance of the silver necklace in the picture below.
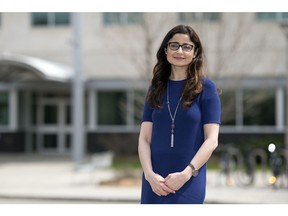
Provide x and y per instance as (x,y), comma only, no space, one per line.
(172,116)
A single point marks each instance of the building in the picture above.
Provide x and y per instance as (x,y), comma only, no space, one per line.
(246,55)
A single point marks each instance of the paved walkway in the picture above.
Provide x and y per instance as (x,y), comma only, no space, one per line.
(54,178)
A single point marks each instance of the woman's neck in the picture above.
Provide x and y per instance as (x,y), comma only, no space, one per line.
(178,74)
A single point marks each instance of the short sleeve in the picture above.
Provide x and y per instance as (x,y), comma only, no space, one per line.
(147,110)
(147,113)
(210,103)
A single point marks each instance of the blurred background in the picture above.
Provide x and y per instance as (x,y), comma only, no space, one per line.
(72,85)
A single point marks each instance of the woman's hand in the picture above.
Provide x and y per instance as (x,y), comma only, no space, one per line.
(176,180)
(158,186)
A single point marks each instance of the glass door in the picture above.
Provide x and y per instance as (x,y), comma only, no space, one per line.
(53,126)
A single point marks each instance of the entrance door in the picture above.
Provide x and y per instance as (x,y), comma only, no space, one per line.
(53,126)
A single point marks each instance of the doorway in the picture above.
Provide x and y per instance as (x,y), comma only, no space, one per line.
(52,133)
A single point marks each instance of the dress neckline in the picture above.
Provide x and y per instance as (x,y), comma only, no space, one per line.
(177,80)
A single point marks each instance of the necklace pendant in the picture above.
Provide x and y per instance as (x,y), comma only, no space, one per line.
(172,133)
(172,139)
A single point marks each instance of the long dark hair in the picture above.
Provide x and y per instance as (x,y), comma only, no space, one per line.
(162,70)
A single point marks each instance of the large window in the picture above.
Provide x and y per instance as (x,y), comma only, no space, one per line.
(112,108)
(50,19)
(4,108)
(116,18)
(139,100)
(271,16)
(259,107)
(248,107)
(228,107)
(206,16)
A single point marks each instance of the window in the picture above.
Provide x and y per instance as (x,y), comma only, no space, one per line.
(68,114)
(139,99)
(122,18)
(33,107)
(4,108)
(259,107)
(50,141)
(112,108)
(50,114)
(228,102)
(50,19)
(119,107)
(271,16)
(207,16)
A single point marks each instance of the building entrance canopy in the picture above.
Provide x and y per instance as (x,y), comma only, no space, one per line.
(24,68)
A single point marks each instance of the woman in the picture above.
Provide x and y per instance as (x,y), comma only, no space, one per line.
(180,123)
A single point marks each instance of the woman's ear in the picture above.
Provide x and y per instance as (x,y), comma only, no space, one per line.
(165,50)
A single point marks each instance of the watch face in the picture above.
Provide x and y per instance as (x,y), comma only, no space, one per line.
(195,173)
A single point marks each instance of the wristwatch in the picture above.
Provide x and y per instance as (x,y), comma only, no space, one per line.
(194,171)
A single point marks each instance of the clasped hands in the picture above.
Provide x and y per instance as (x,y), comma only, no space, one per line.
(165,186)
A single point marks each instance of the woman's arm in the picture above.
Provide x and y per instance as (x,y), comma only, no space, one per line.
(211,132)
(156,181)
(144,148)
(177,180)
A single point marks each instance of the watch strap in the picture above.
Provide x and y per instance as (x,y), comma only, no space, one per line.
(194,171)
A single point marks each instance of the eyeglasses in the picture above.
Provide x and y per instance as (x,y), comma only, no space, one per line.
(185,47)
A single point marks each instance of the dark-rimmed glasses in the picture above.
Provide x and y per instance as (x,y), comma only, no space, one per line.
(185,47)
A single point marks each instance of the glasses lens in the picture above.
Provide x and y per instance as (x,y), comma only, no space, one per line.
(174,46)
(187,47)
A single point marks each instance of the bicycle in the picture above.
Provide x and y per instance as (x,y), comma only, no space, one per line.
(279,168)
(247,169)
(239,167)
(229,158)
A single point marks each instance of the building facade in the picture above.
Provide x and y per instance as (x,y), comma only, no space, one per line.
(246,55)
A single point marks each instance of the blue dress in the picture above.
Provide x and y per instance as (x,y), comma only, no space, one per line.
(188,138)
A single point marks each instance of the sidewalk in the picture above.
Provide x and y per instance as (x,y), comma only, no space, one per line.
(53,178)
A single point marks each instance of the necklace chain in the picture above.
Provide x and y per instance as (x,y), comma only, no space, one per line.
(172,116)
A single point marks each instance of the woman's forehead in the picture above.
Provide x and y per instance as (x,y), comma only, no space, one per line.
(181,37)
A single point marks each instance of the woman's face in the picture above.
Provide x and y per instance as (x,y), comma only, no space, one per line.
(180,50)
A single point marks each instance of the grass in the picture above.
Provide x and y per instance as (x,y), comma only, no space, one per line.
(128,162)
(132,162)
